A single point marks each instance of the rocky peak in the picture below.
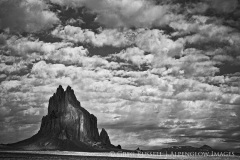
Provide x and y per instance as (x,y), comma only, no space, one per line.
(70,92)
(104,137)
(60,90)
(71,98)
(66,118)
(58,102)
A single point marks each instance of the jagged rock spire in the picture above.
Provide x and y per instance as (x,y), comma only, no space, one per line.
(60,90)
(68,88)
(104,137)
(66,118)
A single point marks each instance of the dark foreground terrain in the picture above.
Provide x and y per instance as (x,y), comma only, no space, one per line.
(63,155)
(24,156)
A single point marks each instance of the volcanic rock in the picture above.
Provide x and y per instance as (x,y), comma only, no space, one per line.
(66,118)
(67,126)
(104,137)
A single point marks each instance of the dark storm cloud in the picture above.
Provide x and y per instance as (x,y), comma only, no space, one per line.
(25,15)
(123,13)
(203,6)
(78,16)
(223,6)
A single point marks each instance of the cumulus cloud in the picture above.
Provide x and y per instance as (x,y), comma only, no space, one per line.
(19,67)
(134,14)
(153,41)
(158,43)
(111,37)
(135,56)
(172,101)
(123,13)
(22,52)
(162,83)
(27,47)
(26,15)
(67,55)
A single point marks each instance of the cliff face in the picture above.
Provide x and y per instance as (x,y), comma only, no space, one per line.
(67,126)
(66,119)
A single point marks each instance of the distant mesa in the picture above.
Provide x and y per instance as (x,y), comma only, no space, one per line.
(205,148)
(67,126)
(190,149)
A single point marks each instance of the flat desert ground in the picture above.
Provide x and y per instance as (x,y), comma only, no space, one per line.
(67,155)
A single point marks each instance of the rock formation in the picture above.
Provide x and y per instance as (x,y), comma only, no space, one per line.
(68,125)
(119,146)
(104,138)
(66,118)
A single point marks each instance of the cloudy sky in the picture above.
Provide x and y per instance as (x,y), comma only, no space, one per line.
(155,72)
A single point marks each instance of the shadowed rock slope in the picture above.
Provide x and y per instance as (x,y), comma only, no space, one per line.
(67,126)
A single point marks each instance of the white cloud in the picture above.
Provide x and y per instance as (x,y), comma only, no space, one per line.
(27,47)
(24,51)
(154,42)
(67,55)
(31,111)
(15,68)
(135,101)
(111,37)
(158,44)
(135,55)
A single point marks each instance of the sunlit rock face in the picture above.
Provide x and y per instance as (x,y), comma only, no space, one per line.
(66,119)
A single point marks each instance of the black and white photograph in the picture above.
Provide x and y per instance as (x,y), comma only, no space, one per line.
(119,79)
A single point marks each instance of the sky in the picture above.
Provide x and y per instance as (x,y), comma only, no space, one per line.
(156,73)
